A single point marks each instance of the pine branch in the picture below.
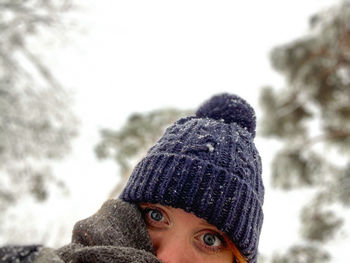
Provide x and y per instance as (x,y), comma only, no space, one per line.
(325,137)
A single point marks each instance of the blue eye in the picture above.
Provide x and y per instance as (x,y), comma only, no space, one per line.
(211,240)
(155,215)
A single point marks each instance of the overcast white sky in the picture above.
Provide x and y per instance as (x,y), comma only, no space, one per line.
(143,55)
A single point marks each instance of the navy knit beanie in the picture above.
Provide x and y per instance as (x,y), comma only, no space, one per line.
(208,165)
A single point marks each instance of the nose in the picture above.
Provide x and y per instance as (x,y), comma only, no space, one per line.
(175,250)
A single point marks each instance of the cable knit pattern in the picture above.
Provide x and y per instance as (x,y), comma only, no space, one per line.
(208,165)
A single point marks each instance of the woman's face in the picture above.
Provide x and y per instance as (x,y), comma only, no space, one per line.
(178,236)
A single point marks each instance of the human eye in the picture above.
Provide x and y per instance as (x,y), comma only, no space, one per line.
(210,241)
(155,217)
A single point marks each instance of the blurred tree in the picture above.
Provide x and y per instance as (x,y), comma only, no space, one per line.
(36,124)
(311,117)
(127,145)
(302,254)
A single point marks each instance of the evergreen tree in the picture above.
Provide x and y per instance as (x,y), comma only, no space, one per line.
(127,145)
(311,118)
(36,123)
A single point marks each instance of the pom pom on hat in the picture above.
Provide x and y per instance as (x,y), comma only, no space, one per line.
(231,109)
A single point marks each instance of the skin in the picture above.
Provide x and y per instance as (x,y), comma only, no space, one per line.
(178,236)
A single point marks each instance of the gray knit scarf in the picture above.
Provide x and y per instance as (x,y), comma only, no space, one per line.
(116,233)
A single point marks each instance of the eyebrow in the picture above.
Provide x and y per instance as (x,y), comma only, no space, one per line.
(205,223)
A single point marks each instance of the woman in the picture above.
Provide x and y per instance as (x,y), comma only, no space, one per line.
(203,179)
(195,197)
